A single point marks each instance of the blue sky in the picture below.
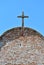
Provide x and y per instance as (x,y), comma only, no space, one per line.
(10,9)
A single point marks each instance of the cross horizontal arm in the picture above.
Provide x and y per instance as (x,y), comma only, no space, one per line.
(23,16)
(19,16)
(26,16)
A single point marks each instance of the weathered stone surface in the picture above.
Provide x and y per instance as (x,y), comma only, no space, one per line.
(22,50)
(15,33)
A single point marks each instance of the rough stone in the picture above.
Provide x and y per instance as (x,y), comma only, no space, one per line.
(23,50)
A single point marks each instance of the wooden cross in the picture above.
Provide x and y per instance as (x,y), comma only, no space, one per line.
(22,16)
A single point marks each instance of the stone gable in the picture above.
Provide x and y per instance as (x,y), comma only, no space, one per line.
(22,50)
(16,33)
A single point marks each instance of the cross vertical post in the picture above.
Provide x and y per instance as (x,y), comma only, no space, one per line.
(22,19)
(22,16)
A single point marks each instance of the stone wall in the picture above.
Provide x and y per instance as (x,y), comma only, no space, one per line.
(15,33)
(28,50)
